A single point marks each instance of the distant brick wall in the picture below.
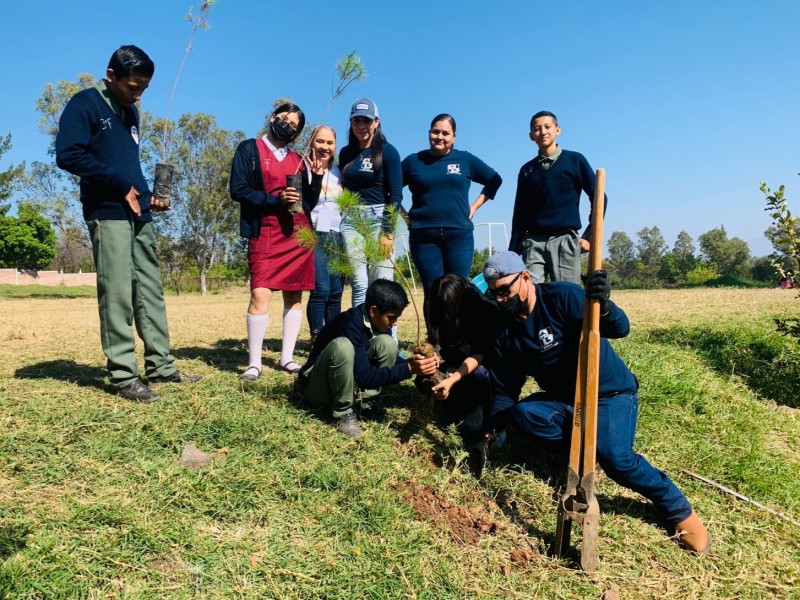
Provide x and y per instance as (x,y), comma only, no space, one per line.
(14,277)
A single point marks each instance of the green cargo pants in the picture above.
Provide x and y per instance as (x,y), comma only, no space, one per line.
(330,382)
(129,290)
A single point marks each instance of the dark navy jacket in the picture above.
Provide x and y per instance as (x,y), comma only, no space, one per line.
(103,150)
(547,201)
(545,347)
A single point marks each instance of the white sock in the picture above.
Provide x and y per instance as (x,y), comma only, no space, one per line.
(291,329)
(256,330)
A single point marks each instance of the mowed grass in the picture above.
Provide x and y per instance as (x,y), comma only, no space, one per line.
(95,504)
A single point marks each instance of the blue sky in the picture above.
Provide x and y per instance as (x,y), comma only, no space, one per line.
(687,105)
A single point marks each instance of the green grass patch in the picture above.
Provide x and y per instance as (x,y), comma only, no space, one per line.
(94,502)
(768,362)
(46,291)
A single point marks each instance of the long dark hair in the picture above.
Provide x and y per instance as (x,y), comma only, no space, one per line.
(378,140)
(447,294)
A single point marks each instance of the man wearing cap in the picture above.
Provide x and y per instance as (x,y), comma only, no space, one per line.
(542,341)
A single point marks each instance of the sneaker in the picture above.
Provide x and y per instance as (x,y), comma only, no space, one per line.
(349,426)
(693,535)
(176,377)
(138,392)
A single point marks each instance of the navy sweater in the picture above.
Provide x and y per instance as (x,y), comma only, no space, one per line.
(350,324)
(94,144)
(439,187)
(545,346)
(358,175)
(548,200)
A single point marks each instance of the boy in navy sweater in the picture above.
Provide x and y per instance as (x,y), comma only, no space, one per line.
(354,351)
(544,228)
(542,341)
(98,140)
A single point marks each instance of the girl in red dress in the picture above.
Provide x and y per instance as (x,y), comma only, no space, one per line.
(275,258)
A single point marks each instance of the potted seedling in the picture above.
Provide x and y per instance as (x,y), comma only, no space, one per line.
(165,172)
(348,69)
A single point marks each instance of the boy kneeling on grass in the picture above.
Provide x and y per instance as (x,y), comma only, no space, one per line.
(353,351)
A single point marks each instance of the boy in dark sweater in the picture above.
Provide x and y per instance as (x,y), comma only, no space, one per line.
(544,228)
(353,351)
(98,140)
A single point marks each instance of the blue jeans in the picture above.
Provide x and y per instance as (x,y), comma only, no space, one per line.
(440,250)
(549,422)
(363,272)
(325,301)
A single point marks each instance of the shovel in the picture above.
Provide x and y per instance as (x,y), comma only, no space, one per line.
(579,502)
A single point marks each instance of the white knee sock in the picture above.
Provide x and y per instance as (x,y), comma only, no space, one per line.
(291,328)
(256,330)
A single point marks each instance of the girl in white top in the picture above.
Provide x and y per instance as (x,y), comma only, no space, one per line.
(325,301)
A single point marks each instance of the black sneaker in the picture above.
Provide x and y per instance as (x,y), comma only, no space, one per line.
(349,426)
(176,377)
(138,392)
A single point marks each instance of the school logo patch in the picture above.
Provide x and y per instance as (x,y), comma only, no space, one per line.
(546,338)
(454,169)
(106,123)
(135,134)
(366,164)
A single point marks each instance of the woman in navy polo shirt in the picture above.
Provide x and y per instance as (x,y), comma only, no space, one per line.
(439,179)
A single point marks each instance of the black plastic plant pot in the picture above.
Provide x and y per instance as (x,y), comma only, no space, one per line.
(162,183)
(295,181)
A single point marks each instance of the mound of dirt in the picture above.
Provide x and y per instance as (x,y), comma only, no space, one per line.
(465,525)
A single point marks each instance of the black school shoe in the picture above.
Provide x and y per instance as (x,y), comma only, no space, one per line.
(349,426)
(138,392)
(176,377)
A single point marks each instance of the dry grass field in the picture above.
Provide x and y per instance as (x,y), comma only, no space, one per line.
(95,504)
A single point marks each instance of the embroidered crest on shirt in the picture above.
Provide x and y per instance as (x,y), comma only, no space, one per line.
(366,164)
(454,169)
(546,339)
(106,123)
(135,134)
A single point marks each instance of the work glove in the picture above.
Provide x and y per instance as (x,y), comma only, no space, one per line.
(598,288)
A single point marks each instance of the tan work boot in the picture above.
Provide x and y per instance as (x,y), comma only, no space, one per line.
(693,535)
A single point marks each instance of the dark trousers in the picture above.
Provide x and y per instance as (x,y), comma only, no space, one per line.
(440,250)
(467,404)
(549,422)
(325,302)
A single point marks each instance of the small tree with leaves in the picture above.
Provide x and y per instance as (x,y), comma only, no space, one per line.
(786,240)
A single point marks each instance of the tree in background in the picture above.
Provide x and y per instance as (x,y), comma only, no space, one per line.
(676,264)
(54,192)
(650,247)
(728,255)
(202,221)
(621,258)
(10,177)
(684,250)
(27,241)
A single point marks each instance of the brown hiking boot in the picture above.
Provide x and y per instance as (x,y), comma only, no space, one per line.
(693,535)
